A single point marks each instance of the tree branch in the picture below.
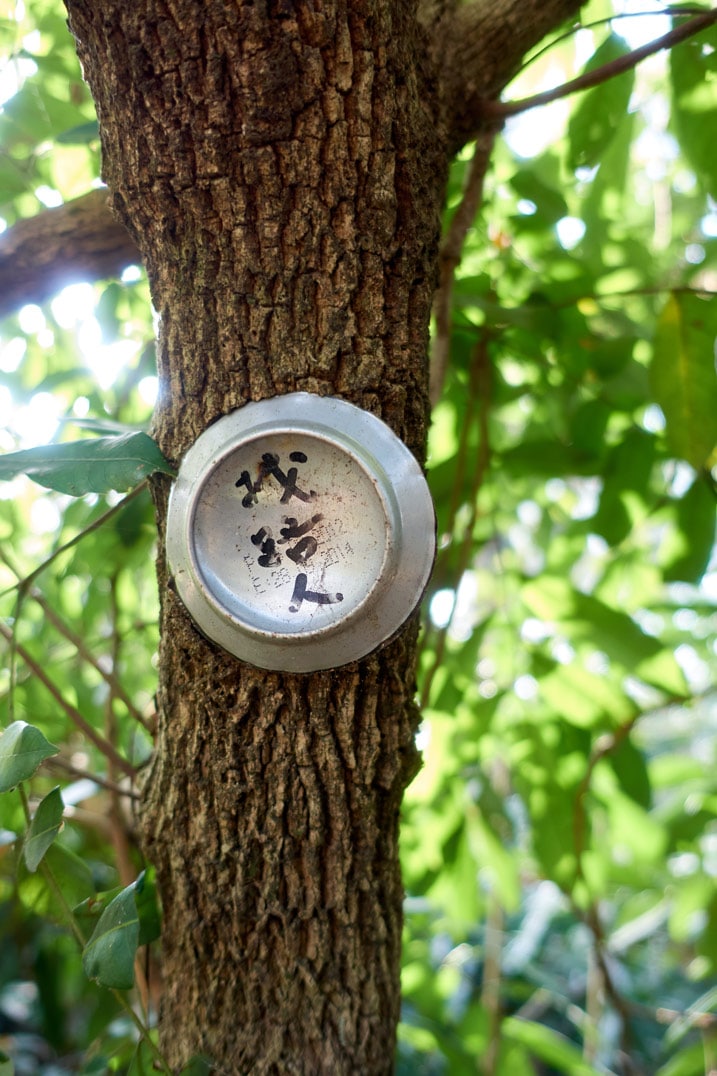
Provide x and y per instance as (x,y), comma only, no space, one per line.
(478,48)
(503,110)
(102,745)
(79,240)
(450,257)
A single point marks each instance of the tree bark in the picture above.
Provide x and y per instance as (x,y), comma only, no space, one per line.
(282,175)
(281,166)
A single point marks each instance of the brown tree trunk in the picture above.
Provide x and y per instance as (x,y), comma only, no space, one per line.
(281,172)
(281,166)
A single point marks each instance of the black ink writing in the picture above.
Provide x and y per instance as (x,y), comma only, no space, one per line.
(269,557)
(245,480)
(304,549)
(255,579)
(269,468)
(294,529)
(301,594)
(299,553)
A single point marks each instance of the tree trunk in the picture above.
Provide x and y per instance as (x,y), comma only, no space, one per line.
(280,172)
(281,166)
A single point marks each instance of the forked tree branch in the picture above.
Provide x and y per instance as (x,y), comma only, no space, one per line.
(503,110)
(476,48)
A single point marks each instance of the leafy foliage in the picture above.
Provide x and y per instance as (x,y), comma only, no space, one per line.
(90,466)
(559,845)
(45,825)
(22,748)
(130,919)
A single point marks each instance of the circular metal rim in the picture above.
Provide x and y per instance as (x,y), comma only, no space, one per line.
(405,498)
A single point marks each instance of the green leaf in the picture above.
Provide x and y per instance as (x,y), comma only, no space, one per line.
(90,466)
(630,768)
(693,67)
(197,1066)
(695,533)
(599,112)
(683,376)
(22,748)
(88,912)
(6,1066)
(44,827)
(145,895)
(109,955)
(80,135)
(626,481)
(550,201)
(548,1045)
(142,1060)
(689,1061)
(583,698)
(71,874)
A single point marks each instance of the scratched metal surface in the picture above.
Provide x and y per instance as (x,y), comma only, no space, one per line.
(300,533)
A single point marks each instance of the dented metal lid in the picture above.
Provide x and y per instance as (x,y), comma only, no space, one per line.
(300,533)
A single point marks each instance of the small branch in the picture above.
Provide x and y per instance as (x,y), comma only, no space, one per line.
(81,647)
(503,110)
(24,583)
(77,241)
(490,989)
(681,12)
(116,815)
(59,763)
(618,1002)
(604,746)
(480,389)
(72,712)
(450,257)
(477,48)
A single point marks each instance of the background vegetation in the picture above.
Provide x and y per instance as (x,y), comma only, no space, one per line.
(559,844)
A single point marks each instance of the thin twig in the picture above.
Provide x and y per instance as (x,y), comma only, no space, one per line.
(57,762)
(119,836)
(81,647)
(480,386)
(450,257)
(677,12)
(503,110)
(604,746)
(89,529)
(490,988)
(72,712)
(618,1002)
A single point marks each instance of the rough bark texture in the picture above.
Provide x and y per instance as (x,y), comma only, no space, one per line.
(279,169)
(281,166)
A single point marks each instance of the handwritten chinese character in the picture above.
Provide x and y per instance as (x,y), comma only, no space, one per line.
(295,530)
(269,557)
(269,468)
(301,594)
